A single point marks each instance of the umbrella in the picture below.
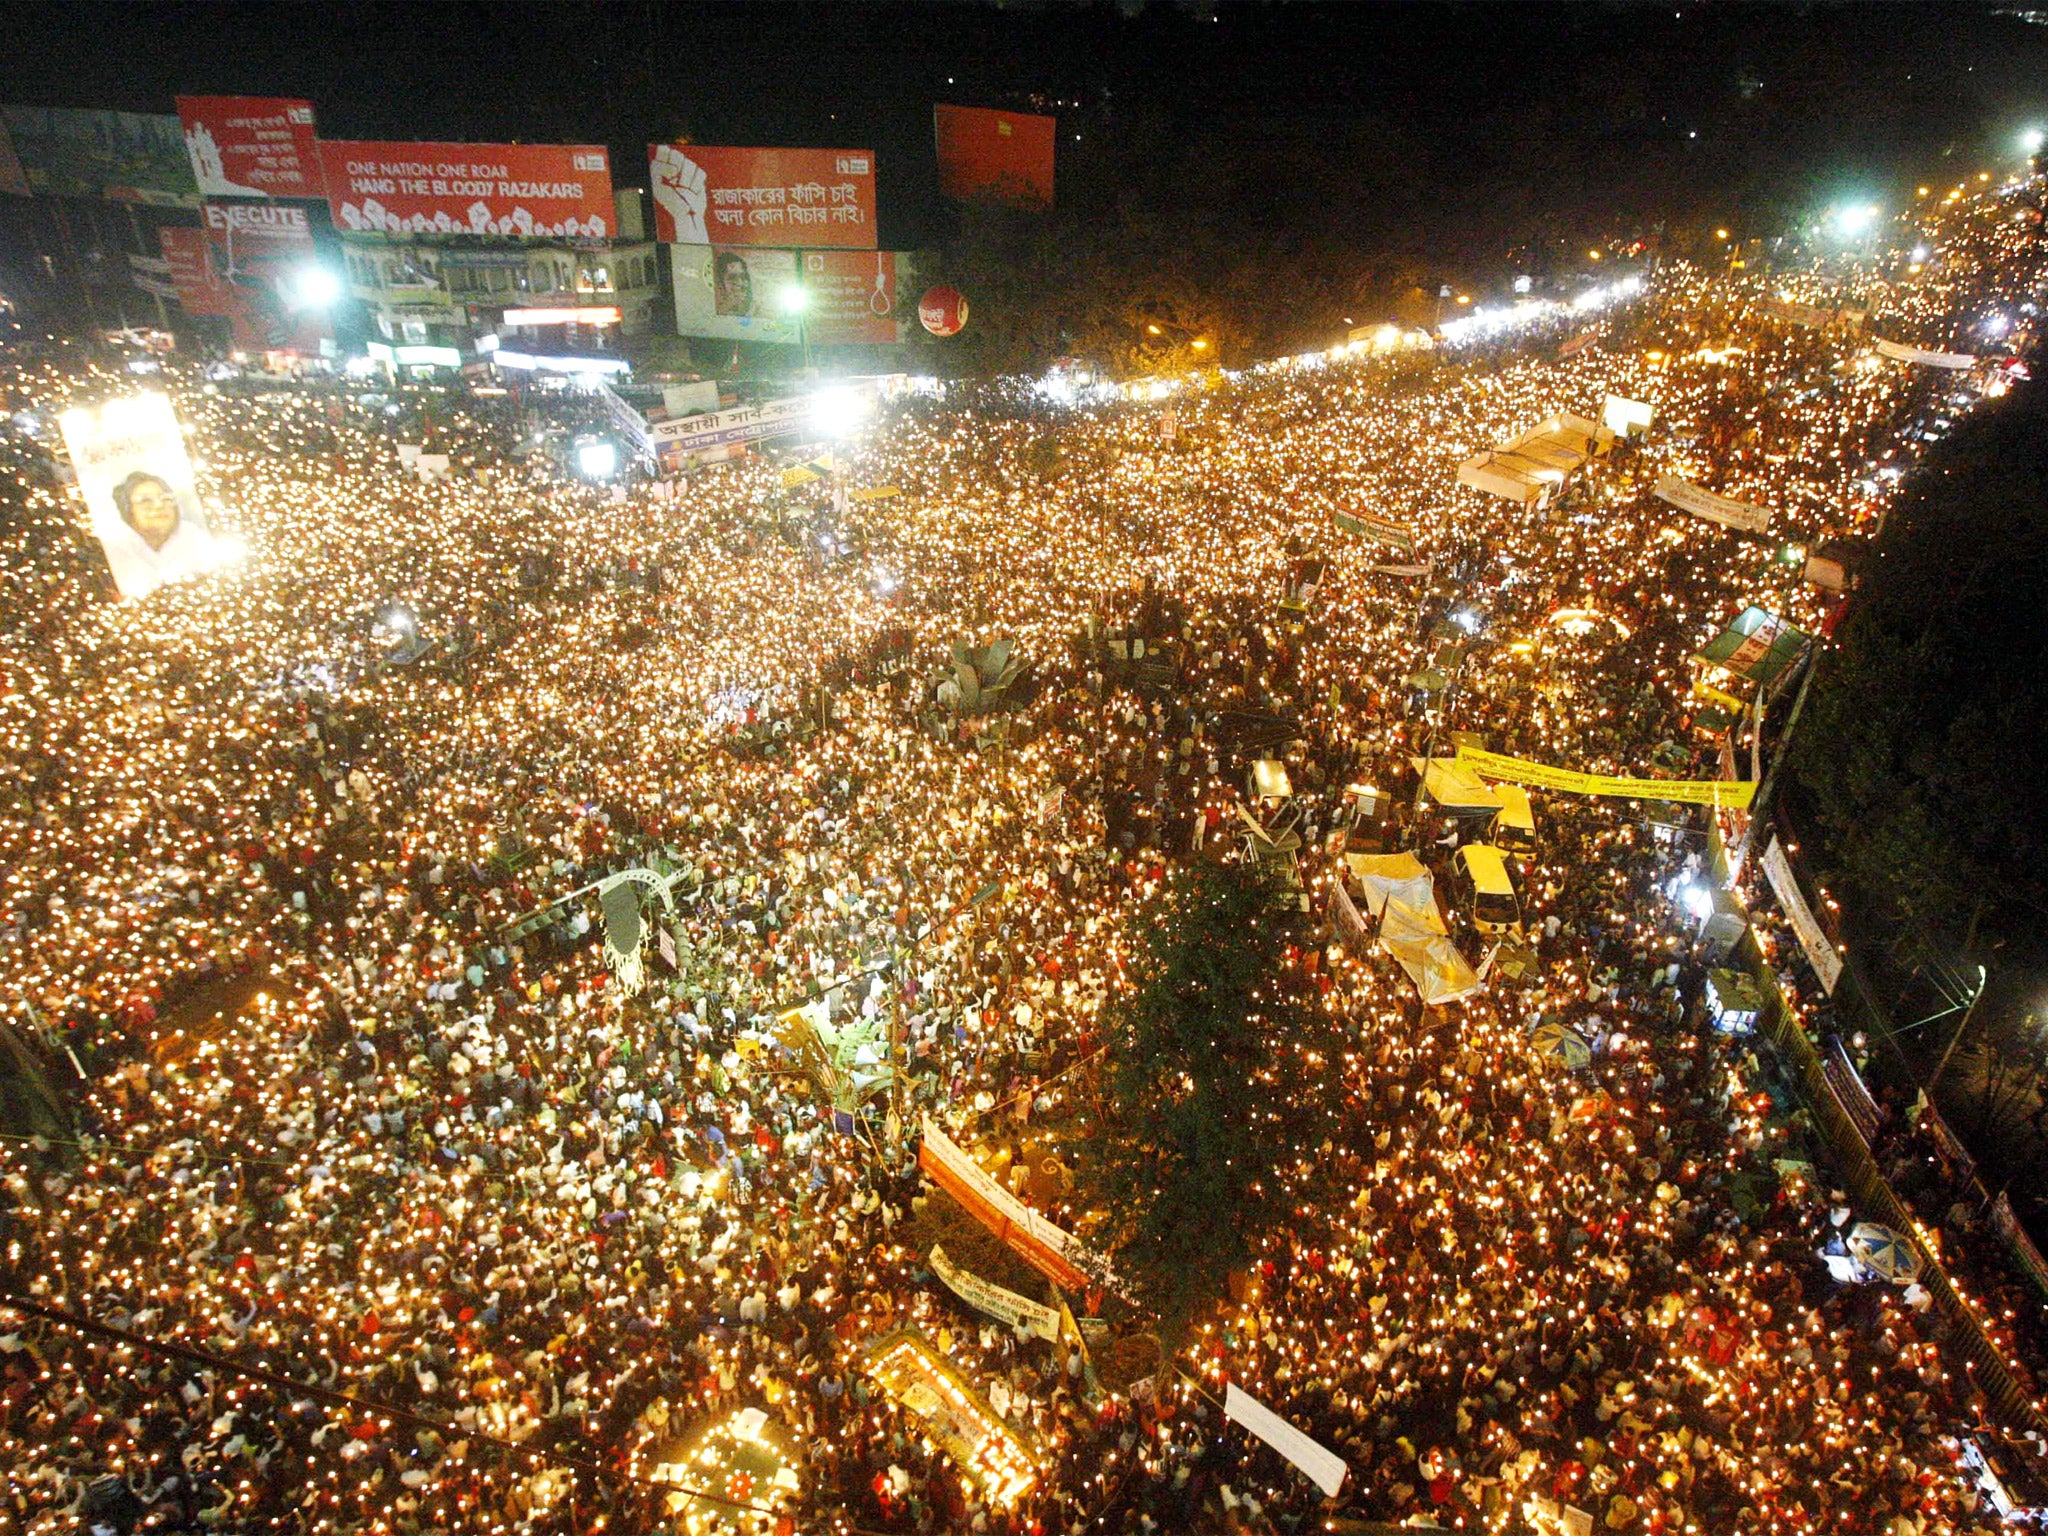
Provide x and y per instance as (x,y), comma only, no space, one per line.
(1564,1043)
(1891,1255)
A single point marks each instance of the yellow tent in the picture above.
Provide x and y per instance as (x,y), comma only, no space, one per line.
(1455,785)
(1415,937)
(1399,876)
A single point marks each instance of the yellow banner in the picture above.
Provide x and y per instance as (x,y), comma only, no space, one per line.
(1734,793)
(804,474)
(876,493)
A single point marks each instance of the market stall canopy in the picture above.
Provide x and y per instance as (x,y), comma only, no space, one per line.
(1758,646)
(1415,937)
(1392,876)
(1455,785)
(1537,463)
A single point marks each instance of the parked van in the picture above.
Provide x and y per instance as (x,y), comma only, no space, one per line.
(1483,871)
(1515,827)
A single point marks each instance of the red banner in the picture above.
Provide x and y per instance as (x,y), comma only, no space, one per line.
(988,156)
(252,146)
(191,275)
(246,265)
(774,197)
(1022,1230)
(533,191)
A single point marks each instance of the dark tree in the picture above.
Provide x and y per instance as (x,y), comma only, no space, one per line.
(1921,758)
(1220,1092)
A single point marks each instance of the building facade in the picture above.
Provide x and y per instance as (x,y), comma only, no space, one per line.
(451,291)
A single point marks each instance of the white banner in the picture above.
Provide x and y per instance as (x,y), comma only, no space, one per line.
(1325,1468)
(1700,502)
(1349,924)
(986,1296)
(1820,954)
(1960,361)
(1621,415)
(136,479)
(718,429)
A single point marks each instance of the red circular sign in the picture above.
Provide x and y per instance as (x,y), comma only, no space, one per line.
(942,310)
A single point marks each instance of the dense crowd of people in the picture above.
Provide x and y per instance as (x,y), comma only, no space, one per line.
(337,1125)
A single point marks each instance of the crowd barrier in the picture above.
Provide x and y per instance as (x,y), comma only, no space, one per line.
(1872,1192)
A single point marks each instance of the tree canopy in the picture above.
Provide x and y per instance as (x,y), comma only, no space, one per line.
(1921,758)
(1220,1089)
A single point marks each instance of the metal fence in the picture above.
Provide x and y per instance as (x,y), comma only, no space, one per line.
(1968,1337)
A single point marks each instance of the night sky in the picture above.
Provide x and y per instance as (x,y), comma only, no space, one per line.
(1348,116)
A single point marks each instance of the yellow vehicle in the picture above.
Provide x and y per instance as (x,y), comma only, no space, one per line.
(1515,827)
(1483,870)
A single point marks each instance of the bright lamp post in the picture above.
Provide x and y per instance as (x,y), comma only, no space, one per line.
(796,300)
(316,287)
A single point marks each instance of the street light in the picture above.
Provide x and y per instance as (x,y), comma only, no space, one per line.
(796,300)
(597,459)
(1941,1066)
(2031,140)
(315,287)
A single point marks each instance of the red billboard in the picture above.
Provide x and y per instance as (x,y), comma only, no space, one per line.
(853,295)
(535,191)
(252,146)
(191,275)
(248,265)
(772,197)
(988,156)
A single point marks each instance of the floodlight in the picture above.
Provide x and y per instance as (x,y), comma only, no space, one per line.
(316,287)
(839,412)
(598,460)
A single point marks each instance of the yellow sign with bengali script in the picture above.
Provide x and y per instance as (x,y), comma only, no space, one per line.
(1733,793)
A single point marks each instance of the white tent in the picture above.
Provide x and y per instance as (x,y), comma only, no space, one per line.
(1538,462)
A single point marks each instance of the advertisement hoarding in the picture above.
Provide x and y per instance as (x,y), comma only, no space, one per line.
(742,294)
(733,295)
(252,146)
(136,479)
(191,273)
(989,156)
(245,266)
(534,191)
(123,157)
(708,195)
(860,296)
